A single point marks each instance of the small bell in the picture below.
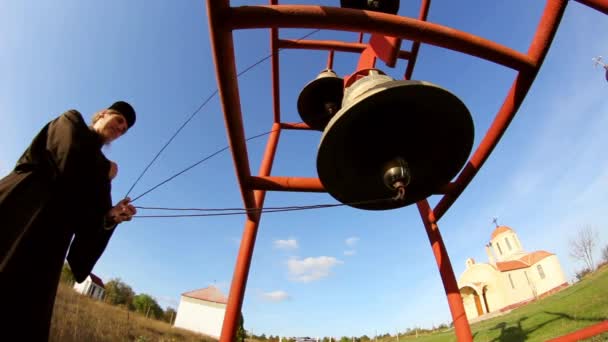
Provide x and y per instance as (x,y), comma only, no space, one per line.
(320,99)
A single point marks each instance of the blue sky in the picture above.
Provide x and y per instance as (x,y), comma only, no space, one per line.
(338,271)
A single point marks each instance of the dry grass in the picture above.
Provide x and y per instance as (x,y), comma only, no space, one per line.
(80,318)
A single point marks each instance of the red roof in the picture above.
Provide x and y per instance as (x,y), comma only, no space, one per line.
(96,280)
(523,262)
(209,294)
(500,230)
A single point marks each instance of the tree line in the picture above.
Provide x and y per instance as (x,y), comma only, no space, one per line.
(121,294)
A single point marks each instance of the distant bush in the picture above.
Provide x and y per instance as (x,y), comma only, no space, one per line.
(582,273)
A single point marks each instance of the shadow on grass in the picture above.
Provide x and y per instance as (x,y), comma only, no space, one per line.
(512,333)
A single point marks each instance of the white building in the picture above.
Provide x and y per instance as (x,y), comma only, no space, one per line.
(511,278)
(202,311)
(92,286)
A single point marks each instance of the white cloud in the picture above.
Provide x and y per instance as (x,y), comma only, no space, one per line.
(286,244)
(311,269)
(351,241)
(350,252)
(275,296)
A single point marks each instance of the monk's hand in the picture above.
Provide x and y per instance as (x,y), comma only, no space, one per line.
(123,211)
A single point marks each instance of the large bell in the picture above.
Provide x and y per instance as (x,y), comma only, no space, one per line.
(385,6)
(320,99)
(389,134)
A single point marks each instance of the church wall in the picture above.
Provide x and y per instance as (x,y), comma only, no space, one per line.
(521,289)
(554,276)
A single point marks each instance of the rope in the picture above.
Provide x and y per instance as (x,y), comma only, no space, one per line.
(242,211)
(198,110)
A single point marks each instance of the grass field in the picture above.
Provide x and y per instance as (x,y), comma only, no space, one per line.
(80,318)
(576,307)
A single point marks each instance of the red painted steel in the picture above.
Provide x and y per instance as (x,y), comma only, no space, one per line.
(330,59)
(223,18)
(551,17)
(424,12)
(600,5)
(276,93)
(295,125)
(222,47)
(243,262)
(386,48)
(584,333)
(459,316)
(276,183)
(331,45)
(332,18)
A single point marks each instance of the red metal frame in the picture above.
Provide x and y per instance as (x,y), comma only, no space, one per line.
(387,32)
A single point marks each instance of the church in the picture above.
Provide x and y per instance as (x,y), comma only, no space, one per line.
(512,277)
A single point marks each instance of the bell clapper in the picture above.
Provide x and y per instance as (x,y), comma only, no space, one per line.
(400,196)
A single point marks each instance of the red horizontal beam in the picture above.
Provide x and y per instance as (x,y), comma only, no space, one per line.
(275,183)
(334,18)
(331,45)
(295,125)
(304,184)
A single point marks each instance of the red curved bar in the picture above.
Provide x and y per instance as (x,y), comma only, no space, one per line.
(333,18)
(584,333)
(547,27)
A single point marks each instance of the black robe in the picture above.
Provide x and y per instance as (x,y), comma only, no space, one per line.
(59,192)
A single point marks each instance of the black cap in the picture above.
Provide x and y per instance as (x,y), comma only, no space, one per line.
(126,110)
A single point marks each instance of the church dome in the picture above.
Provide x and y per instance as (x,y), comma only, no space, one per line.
(499,230)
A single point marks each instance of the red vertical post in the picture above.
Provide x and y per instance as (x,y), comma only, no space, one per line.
(274,49)
(330,59)
(459,316)
(424,12)
(243,261)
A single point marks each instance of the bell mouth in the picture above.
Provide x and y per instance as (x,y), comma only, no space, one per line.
(420,122)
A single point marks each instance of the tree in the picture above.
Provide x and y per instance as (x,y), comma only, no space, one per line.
(605,253)
(169,315)
(147,306)
(66,275)
(581,247)
(119,293)
(241,334)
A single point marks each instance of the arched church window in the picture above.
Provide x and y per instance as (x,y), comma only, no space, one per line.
(508,243)
(499,249)
(541,272)
(511,281)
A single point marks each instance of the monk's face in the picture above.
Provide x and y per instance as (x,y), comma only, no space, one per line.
(110,125)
